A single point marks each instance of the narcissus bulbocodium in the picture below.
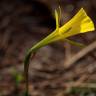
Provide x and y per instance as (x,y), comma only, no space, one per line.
(80,23)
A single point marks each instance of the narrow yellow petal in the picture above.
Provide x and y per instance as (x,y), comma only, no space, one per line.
(75,43)
(57,20)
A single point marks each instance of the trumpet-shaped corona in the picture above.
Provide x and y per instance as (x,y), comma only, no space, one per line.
(80,23)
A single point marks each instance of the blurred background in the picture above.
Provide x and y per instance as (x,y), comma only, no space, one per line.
(59,69)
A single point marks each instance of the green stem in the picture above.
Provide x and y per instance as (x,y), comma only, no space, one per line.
(32,51)
(26,68)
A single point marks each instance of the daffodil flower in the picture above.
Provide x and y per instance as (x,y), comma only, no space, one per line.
(80,23)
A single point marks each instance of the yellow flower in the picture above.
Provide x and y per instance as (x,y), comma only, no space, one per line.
(80,23)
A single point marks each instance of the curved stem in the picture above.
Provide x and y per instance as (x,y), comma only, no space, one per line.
(26,76)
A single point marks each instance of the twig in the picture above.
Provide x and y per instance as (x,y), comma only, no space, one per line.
(81,85)
(80,54)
